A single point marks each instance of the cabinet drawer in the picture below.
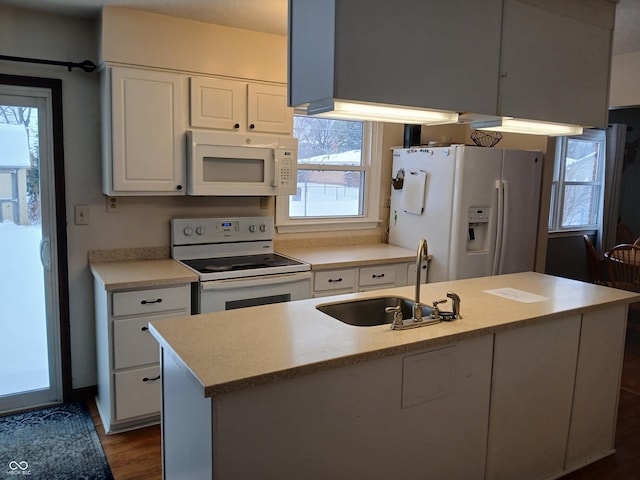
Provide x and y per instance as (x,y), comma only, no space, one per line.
(133,344)
(378,275)
(137,392)
(156,300)
(334,280)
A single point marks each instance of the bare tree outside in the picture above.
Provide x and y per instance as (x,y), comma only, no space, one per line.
(581,187)
(28,117)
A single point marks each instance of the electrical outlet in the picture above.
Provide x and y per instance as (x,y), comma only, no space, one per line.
(81,213)
(113,205)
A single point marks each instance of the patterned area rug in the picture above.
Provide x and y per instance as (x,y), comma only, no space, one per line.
(52,443)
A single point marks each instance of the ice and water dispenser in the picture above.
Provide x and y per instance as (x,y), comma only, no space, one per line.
(478,229)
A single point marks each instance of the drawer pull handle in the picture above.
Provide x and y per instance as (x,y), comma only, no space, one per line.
(147,379)
(377,276)
(145,329)
(145,302)
(332,280)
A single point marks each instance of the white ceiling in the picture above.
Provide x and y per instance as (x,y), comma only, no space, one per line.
(270,16)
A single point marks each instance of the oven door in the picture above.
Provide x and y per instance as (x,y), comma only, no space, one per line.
(217,295)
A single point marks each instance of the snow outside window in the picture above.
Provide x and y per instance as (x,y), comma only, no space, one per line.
(577,188)
(337,178)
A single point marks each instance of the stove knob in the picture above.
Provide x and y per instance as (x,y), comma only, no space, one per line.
(252,228)
(200,230)
(263,228)
(188,231)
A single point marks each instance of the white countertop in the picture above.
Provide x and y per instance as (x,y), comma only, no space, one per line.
(343,256)
(237,349)
(141,273)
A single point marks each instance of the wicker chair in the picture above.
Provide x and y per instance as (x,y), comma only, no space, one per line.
(623,265)
(623,234)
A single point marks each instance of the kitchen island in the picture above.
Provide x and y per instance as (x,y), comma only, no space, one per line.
(525,385)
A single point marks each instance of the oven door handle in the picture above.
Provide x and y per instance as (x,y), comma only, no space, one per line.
(277,279)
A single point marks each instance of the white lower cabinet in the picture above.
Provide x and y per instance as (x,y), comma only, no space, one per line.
(531,402)
(554,395)
(414,416)
(138,392)
(532,391)
(598,373)
(129,382)
(361,279)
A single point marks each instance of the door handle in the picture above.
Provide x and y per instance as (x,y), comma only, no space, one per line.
(45,253)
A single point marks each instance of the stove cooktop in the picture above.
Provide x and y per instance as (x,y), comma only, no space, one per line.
(235,267)
(245,262)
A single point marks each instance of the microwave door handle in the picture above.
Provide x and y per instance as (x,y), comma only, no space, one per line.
(277,167)
(253,281)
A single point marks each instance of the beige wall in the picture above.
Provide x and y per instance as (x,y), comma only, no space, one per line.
(137,38)
(625,89)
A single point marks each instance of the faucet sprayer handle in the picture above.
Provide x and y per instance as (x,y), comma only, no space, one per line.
(397,316)
(455,301)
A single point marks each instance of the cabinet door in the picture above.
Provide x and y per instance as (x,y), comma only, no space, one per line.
(554,67)
(332,281)
(531,396)
(137,392)
(267,109)
(378,275)
(595,403)
(217,103)
(147,132)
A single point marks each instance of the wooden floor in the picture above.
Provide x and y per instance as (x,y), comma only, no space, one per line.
(136,455)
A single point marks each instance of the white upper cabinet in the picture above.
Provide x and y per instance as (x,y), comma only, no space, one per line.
(144,147)
(239,106)
(555,60)
(431,54)
(532,59)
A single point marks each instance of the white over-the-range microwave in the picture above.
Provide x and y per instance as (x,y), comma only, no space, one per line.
(220,163)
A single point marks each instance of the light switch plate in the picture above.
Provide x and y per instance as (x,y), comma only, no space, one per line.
(81,213)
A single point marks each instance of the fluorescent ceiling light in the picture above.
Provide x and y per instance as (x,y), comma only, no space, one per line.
(531,127)
(376,112)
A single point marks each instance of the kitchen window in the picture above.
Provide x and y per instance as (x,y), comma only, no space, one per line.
(577,188)
(337,178)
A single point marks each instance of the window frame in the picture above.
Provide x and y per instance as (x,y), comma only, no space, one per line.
(558,183)
(371,167)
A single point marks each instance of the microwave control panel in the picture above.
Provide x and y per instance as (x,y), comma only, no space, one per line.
(285,175)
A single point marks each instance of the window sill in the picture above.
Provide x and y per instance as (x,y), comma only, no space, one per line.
(327,225)
(572,233)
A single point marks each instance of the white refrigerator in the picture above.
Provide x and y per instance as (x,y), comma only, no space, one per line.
(477,207)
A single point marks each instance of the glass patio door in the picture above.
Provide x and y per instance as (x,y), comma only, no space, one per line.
(30,360)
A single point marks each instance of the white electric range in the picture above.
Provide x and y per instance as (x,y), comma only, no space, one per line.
(236,264)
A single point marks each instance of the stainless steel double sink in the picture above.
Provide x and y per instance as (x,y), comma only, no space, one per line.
(369,312)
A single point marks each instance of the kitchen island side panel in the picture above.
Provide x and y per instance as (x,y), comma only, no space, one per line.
(186,424)
(426,412)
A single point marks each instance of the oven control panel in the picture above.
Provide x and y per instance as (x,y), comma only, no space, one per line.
(192,231)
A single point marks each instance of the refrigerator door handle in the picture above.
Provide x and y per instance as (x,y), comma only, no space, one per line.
(505,224)
(498,245)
